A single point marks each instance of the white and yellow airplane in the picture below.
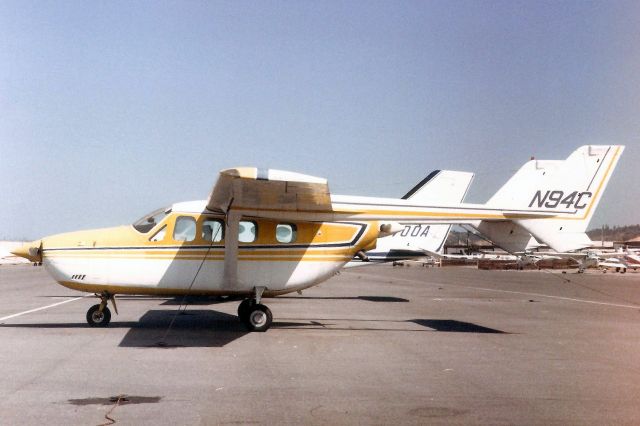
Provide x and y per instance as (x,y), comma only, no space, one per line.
(263,233)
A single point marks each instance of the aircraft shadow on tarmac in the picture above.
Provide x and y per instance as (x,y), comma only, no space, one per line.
(430,325)
(454,326)
(191,328)
(210,328)
(384,299)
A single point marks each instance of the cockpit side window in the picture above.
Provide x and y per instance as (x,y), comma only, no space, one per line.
(184,229)
(149,221)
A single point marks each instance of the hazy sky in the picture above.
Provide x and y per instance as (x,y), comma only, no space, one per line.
(111,109)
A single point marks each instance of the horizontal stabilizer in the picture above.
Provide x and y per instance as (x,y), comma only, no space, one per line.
(507,235)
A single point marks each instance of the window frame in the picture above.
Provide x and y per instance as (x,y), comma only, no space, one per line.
(294,232)
(195,228)
(255,235)
(148,222)
(222,229)
(162,229)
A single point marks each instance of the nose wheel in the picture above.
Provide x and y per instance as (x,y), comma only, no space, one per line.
(99,315)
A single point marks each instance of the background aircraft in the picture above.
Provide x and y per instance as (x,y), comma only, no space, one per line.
(618,260)
(415,240)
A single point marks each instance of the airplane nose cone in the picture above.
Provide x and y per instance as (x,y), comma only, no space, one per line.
(31,251)
(22,251)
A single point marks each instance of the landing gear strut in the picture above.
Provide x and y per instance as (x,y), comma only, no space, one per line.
(254,315)
(99,315)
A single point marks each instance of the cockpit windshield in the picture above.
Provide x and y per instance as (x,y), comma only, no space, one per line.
(148,221)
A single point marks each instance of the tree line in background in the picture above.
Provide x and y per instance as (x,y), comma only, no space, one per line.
(616,233)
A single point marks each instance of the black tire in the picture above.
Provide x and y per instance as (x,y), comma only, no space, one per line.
(243,309)
(258,318)
(95,318)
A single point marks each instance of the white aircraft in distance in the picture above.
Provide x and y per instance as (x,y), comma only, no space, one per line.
(473,256)
(263,233)
(631,260)
(415,240)
(619,260)
(613,263)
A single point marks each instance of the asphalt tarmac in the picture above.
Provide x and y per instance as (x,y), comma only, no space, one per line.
(373,345)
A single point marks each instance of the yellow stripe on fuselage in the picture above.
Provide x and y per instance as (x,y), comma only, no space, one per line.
(315,242)
(302,254)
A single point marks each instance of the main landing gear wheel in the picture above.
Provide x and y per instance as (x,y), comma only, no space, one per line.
(97,318)
(255,316)
(244,307)
(259,318)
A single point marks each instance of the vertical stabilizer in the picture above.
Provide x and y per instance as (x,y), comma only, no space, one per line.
(440,187)
(569,191)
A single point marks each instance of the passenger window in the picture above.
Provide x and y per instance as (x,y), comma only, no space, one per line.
(286,233)
(212,230)
(248,231)
(159,236)
(185,229)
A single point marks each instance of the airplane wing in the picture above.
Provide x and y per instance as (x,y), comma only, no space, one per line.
(254,189)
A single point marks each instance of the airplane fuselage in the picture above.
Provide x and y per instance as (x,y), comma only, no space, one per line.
(184,253)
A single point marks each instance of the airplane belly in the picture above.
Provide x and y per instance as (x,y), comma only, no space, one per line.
(281,275)
(158,273)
